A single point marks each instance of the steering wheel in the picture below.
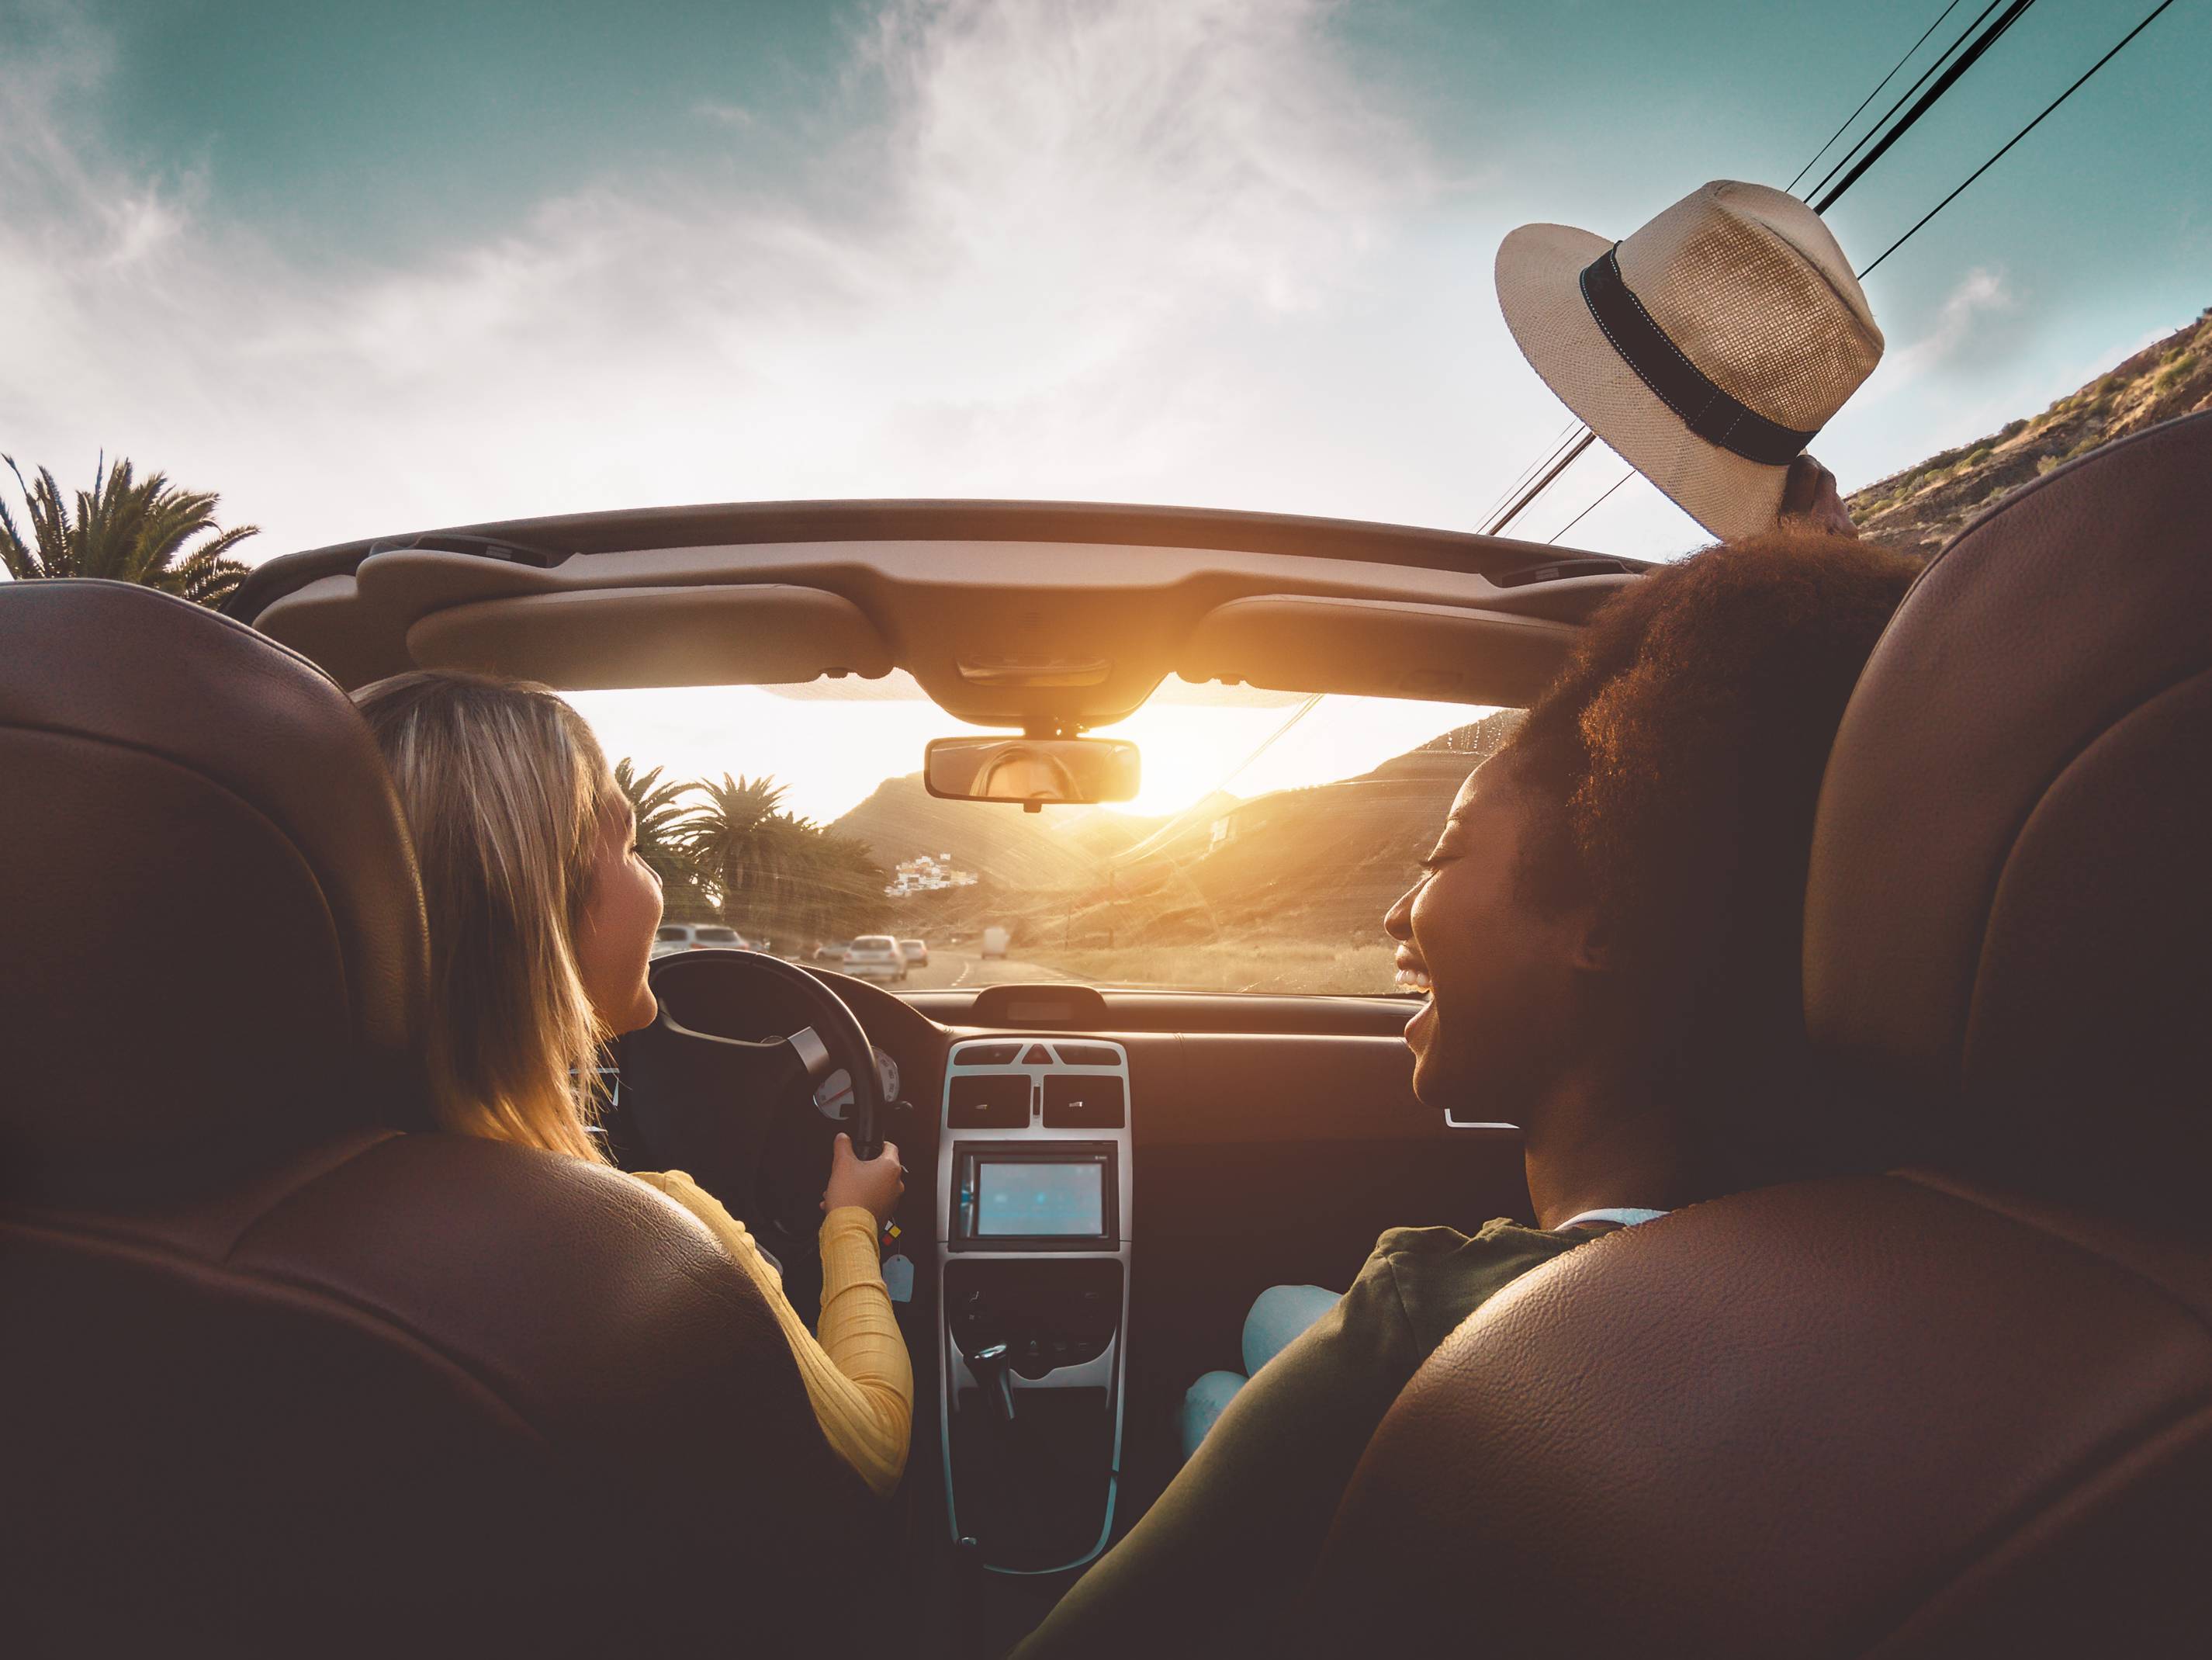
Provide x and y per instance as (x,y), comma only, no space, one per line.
(752,1117)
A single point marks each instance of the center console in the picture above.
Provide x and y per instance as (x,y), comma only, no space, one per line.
(1033,1203)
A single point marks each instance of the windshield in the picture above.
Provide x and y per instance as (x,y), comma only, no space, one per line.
(1271,833)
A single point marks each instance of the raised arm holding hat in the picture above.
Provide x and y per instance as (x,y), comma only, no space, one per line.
(1707,349)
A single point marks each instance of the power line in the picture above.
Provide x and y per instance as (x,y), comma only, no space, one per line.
(1875,93)
(1591,509)
(1497,526)
(1966,61)
(1563,454)
(2016,137)
(1972,42)
(1567,436)
(1905,97)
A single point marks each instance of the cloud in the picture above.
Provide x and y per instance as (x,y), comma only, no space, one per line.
(723,114)
(1979,294)
(1050,249)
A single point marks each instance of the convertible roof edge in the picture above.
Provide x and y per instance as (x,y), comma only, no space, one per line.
(553,540)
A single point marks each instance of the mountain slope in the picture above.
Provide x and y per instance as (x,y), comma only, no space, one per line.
(1059,848)
(1919,510)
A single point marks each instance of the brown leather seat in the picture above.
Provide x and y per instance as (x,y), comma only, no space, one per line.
(284,1372)
(1960,1409)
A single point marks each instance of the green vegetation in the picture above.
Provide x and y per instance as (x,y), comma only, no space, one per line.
(125,529)
(736,855)
(1920,508)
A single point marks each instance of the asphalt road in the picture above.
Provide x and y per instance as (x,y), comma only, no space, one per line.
(952,966)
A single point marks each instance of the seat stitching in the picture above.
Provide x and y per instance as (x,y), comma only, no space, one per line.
(2105,725)
(2062,1492)
(715,1286)
(351,1307)
(2093,1463)
(1921,1179)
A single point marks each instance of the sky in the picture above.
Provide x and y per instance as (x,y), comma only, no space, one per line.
(368,269)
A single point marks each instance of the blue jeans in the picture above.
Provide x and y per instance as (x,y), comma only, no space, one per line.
(1278,1315)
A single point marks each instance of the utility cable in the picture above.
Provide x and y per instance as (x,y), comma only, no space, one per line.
(1497,526)
(1591,509)
(1958,66)
(1944,83)
(1875,93)
(2016,137)
(1567,435)
(1903,98)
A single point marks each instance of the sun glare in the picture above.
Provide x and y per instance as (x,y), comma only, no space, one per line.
(832,743)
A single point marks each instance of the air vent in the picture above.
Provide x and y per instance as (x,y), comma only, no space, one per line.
(1084,1103)
(996,1102)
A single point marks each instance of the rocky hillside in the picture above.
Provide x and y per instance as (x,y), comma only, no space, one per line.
(1320,863)
(1919,510)
(1064,847)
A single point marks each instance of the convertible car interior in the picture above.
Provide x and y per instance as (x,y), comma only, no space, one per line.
(293,1372)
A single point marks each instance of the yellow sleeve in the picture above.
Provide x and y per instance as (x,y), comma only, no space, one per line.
(858,1377)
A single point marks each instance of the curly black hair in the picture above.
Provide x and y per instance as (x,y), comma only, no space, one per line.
(1679,755)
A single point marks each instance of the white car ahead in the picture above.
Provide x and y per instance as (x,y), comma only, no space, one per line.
(697,936)
(875,956)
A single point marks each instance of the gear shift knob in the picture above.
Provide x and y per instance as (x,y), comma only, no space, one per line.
(992,1366)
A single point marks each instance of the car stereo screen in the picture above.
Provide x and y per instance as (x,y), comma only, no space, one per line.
(1029,1200)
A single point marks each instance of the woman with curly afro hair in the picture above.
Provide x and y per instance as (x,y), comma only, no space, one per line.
(1608,935)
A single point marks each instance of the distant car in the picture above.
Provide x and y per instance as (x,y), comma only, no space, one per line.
(916,953)
(834,951)
(995,942)
(694,936)
(875,956)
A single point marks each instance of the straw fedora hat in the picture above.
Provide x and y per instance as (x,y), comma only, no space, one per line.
(1707,349)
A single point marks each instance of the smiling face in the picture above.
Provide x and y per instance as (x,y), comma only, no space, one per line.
(1505,975)
(613,936)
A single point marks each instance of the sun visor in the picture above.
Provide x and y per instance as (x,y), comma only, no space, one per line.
(594,639)
(1377,648)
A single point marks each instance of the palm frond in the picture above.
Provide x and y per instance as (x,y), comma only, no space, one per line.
(125,529)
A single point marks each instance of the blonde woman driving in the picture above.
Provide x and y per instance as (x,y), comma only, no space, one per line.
(542,917)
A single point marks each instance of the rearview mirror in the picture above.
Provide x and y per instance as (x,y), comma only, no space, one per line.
(1034,773)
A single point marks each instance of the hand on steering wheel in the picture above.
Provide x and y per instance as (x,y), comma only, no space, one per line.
(876,1184)
(748,1118)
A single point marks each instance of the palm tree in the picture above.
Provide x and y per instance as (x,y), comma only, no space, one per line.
(742,846)
(660,819)
(848,883)
(125,529)
(663,840)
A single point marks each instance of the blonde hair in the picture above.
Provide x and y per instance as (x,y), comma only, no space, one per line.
(505,790)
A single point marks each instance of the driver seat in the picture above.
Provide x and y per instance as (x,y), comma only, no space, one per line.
(287,1370)
(1964,1408)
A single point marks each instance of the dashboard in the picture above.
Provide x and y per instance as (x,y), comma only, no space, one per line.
(1098,1184)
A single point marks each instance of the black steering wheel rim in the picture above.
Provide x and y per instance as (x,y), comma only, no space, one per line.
(712,1103)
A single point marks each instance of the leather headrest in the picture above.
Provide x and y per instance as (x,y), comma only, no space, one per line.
(2009,918)
(213,948)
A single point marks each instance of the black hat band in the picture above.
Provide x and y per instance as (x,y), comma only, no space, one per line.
(1677,382)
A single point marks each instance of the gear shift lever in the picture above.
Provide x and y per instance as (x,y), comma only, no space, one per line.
(991,1367)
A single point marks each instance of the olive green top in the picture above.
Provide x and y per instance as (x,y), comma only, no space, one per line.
(1230,1543)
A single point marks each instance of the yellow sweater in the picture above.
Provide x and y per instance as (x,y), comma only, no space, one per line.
(858,1375)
